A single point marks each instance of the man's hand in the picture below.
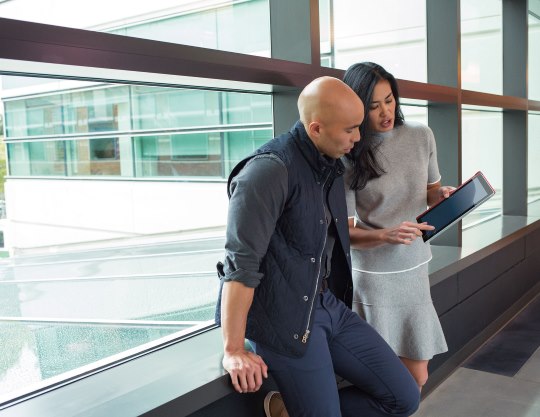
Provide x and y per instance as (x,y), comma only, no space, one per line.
(404,233)
(246,369)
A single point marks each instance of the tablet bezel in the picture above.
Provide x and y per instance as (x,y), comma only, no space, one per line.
(487,187)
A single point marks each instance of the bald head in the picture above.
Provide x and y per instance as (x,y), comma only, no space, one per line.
(329,109)
(324,97)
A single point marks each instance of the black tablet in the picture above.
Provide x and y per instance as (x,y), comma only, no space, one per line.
(469,195)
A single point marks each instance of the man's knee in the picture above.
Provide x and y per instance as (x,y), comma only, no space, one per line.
(355,401)
(407,404)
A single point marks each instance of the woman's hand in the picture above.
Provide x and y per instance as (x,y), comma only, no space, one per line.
(437,192)
(445,191)
(404,233)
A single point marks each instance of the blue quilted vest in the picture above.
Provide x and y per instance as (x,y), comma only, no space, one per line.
(281,315)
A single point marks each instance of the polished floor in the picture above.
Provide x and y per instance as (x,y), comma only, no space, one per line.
(502,379)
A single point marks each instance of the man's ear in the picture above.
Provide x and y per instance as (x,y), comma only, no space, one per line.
(314,129)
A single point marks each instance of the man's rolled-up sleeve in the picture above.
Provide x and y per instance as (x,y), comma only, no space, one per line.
(258,195)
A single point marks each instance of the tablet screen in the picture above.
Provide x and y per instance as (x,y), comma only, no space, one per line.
(467,197)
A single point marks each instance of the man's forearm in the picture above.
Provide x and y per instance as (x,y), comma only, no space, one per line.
(236,300)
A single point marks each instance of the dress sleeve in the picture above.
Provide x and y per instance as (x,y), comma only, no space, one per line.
(258,196)
(433,167)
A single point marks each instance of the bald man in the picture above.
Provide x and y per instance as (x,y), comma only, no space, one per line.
(286,277)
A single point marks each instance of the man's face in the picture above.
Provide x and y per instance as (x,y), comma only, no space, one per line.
(338,134)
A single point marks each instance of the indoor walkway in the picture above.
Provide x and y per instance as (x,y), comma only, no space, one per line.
(502,379)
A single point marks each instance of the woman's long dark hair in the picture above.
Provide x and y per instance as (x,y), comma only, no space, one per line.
(362,78)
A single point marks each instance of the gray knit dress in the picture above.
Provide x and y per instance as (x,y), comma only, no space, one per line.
(391,283)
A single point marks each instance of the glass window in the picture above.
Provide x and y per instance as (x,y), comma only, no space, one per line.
(163,131)
(34,117)
(190,154)
(481,45)
(326,32)
(18,160)
(104,148)
(37,158)
(99,109)
(3,172)
(148,219)
(81,157)
(482,130)
(215,24)
(169,107)
(533,151)
(240,143)
(534,56)
(47,158)
(96,156)
(414,110)
(245,108)
(361,30)
(73,111)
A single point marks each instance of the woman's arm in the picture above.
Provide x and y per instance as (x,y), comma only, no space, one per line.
(402,234)
(362,238)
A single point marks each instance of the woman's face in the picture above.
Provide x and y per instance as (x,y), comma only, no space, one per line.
(382,109)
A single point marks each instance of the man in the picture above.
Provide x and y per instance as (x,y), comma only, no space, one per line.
(287,231)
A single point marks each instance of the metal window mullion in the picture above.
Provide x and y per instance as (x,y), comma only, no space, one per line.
(515,54)
(443,57)
(294,33)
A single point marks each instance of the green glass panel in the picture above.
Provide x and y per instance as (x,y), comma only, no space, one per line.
(193,154)
(240,144)
(47,158)
(96,110)
(246,108)
(161,108)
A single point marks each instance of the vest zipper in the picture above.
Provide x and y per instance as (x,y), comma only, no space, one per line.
(307,332)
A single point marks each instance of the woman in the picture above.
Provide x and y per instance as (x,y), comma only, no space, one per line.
(392,175)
